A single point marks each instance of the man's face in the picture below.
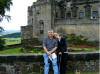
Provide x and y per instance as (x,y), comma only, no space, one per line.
(50,33)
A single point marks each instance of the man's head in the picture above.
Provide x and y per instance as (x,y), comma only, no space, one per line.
(50,33)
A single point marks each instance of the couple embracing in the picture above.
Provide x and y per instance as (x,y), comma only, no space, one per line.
(55,50)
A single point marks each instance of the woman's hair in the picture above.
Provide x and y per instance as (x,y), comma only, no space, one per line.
(55,33)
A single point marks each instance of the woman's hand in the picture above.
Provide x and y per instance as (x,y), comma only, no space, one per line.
(60,53)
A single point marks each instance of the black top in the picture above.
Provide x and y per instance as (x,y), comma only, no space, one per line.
(62,45)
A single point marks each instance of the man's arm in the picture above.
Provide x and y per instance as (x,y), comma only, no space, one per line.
(45,49)
(54,49)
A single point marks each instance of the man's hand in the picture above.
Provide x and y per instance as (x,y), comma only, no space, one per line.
(60,53)
(49,54)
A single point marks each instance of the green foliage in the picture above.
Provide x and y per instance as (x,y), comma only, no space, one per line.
(11,51)
(30,43)
(35,50)
(1,29)
(76,39)
(5,6)
(2,44)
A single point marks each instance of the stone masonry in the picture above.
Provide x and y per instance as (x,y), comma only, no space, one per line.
(73,16)
(33,63)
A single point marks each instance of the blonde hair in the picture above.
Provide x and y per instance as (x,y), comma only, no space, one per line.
(56,34)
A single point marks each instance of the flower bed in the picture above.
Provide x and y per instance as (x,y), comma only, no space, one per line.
(87,46)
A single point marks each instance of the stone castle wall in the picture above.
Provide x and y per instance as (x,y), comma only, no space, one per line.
(88,29)
(27,32)
(42,15)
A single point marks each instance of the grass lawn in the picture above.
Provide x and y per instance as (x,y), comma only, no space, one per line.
(11,41)
(39,51)
(11,51)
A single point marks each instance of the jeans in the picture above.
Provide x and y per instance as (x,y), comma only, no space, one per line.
(46,66)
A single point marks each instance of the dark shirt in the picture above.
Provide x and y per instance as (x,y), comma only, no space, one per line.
(50,43)
(62,45)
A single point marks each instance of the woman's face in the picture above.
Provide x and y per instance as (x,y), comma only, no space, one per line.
(56,35)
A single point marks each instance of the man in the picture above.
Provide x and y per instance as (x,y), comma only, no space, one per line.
(49,46)
(61,53)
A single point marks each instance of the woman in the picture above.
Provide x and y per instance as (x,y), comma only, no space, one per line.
(61,53)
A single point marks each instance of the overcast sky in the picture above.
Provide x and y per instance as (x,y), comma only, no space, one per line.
(18,15)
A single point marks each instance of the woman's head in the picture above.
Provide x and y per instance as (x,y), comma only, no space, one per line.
(56,35)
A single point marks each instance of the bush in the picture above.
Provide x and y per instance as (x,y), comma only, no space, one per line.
(30,43)
(76,39)
(2,44)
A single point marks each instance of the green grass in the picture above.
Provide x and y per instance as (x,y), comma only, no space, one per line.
(11,51)
(11,41)
(18,51)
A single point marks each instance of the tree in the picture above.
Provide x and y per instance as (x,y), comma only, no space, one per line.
(2,44)
(5,6)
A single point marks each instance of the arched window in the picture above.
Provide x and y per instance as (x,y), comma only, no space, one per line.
(95,14)
(41,26)
(88,10)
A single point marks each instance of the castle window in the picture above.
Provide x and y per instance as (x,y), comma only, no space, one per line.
(56,14)
(41,27)
(38,12)
(95,14)
(88,10)
(74,10)
(32,20)
(68,3)
(81,14)
(68,15)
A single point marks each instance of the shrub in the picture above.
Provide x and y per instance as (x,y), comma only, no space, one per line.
(76,39)
(2,43)
(30,43)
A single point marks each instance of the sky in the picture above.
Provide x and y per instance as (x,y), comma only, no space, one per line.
(18,13)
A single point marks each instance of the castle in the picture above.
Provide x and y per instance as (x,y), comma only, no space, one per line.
(66,16)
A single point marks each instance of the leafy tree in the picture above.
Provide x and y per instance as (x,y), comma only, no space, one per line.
(5,6)
(2,43)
